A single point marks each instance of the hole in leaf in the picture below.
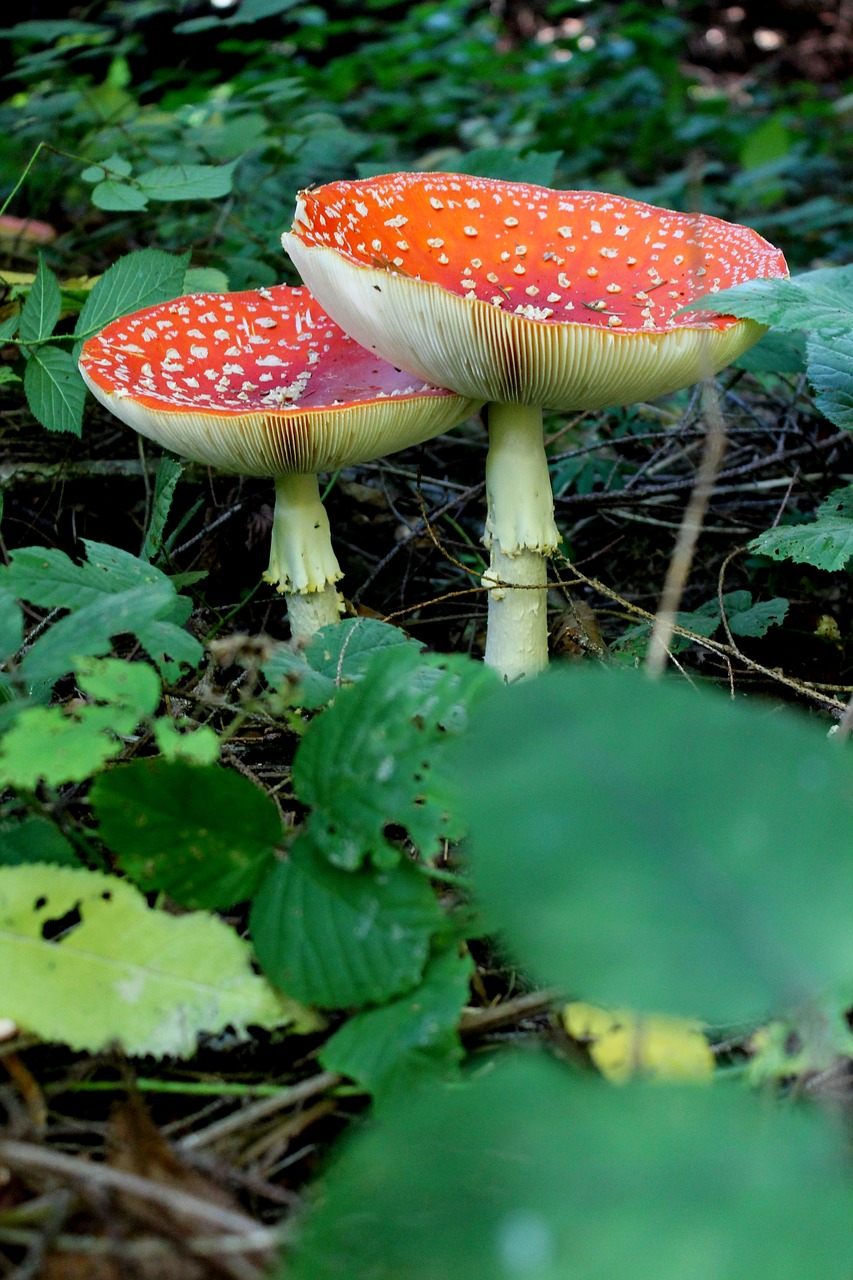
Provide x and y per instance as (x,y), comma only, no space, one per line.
(39,903)
(61,926)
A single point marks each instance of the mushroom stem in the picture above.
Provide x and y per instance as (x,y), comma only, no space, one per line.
(303,565)
(520,531)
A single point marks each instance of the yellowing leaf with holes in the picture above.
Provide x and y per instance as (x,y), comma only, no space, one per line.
(623,1045)
(86,961)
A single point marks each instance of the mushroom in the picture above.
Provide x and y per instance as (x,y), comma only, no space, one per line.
(264,383)
(527,298)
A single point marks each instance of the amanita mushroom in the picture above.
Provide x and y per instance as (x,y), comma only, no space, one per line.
(264,383)
(527,298)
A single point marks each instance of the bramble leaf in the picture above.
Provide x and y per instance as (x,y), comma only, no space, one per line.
(139,279)
(85,961)
(337,939)
(825,542)
(204,835)
(54,389)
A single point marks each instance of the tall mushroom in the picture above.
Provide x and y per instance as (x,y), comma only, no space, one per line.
(264,383)
(527,298)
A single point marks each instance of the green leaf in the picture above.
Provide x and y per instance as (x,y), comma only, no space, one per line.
(87,962)
(46,31)
(205,280)
(537,167)
(532,1172)
(169,473)
(660,847)
(89,632)
(826,542)
(11,625)
(54,389)
(35,839)
(830,370)
(9,327)
(118,197)
(336,655)
(139,279)
(754,620)
(816,300)
(338,939)
(249,11)
(411,1038)
(43,304)
(113,593)
(198,746)
(206,836)
(187,181)
(114,165)
(60,744)
(777,352)
(368,760)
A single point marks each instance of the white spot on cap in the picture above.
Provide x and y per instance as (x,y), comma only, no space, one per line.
(434,242)
(470,231)
(435,202)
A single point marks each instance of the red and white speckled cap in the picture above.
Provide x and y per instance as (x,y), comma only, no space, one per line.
(263,383)
(519,294)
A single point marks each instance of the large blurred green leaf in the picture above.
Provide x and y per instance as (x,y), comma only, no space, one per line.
(658,846)
(530,1172)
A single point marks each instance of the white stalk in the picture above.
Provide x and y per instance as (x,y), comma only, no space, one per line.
(303,565)
(520,532)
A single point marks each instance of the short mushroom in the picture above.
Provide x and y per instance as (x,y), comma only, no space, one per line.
(264,383)
(527,298)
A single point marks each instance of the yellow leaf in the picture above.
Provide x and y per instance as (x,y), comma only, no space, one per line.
(624,1044)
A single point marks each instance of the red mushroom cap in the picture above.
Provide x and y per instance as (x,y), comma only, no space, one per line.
(570,297)
(261,382)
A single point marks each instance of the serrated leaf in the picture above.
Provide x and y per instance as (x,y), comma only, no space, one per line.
(54,389)
(89,632)
(133,686)
(206,836)
(42,306)
(339,939)
(367,760)
(118,197)
(35,839)
(830,371)
(413,1037)
(755,620)
(679,903)
(535,1172)
(169,472)
(119,972)
(821,299)
(826,542)
(139,279)
(187,181)
(336,655)
(8,328)
(113,593)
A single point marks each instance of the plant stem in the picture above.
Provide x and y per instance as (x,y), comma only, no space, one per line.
(302,563)
(520,532)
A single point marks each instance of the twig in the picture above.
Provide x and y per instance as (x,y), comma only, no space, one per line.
(475,1022)
(681,562)
(259,1110)
(25,1155)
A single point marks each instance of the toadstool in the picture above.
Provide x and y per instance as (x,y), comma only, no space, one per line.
(527,298)
(264,383)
